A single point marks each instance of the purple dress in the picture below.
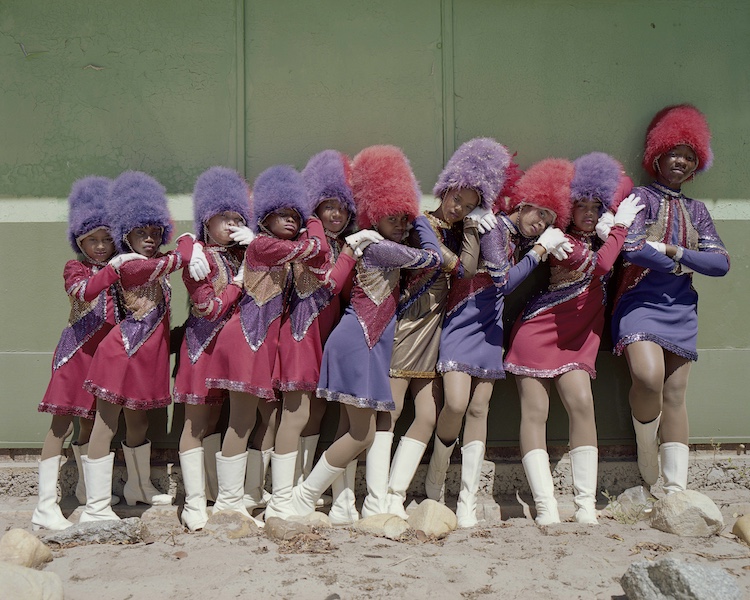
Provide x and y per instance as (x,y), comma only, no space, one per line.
(655,301)
(357,355)
(472,337)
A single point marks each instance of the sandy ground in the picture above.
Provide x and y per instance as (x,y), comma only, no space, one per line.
(511,559)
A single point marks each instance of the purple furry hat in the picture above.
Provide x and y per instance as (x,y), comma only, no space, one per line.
(136,200)
(278,187)
(479,164)
(217,190)
(328,175)
(597,177)
(87,208)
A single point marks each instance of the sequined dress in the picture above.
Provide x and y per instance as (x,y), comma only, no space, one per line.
(212,302)
(131,365)
(92,315)
(560,329)
(472,338)
(357,355)
(247,346)
(655,301)
(419,320)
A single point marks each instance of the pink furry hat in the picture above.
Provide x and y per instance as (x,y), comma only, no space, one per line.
(675,125)
(547,185)
(383,185)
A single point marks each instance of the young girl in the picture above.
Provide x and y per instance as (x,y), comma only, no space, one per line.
(655,319)
(471,345)
(220,203)
(314,309)
(557,337)
(467,188)
(88,283)
(130,370)
(247,347)
(355,363)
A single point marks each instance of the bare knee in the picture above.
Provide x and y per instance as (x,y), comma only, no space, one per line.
(478,409)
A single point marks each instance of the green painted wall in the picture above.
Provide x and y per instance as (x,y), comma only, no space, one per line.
(173,87)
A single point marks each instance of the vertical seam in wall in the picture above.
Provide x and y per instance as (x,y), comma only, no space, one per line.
(449,116)
(240,149)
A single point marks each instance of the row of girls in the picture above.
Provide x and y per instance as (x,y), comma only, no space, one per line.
(330,286)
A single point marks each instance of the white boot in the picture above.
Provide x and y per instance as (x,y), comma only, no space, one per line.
(647,441)
(404,466)
(434,483)
(305,496)
(194,514)
(472,457)
(230,471)
(138,487)
(255,478)
(47,514)
(211,446)
(305,461)
(377,465)
(282,478)
(536,466)
(675,457)
(98,476)
(344,510)
(584,462)
(78,451)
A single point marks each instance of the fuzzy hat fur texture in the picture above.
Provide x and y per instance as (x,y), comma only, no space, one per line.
(87,208)
(137,200)
(280,186)
(383,185)
(597,177)
(675,125)
(479,164)
(328,175)
(547,185)
(219,189)
(508,199)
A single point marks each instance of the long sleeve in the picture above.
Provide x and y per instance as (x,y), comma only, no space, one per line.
(650,258)
(339,277)
(610,250)
(82,285)
(206,302)
(517,273)
(706,263)
(469,258)
(268,251)
(139,272)
(391,255)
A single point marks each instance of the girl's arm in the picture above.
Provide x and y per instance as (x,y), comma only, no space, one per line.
(139,272)
(466,263)
(610,250)
(82,285)
(268,251)
(712,264)
(203,296)
(650,258)
(391,255)
(518,272)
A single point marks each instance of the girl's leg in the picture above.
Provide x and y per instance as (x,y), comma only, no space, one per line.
(475,429)
(270,419)
(457,394)
(534,395)
(99,463)
(137,452)
(136,427)
(84,430)
(428,400)
(198,418)
(47,514)
(105,428)
(242,415)
(294,418)
(674,453)
(60,429)
(318,408)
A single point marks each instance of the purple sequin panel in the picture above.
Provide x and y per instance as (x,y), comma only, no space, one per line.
(199,332)
(76,335)
(136,332)
(256,319)
(305,311)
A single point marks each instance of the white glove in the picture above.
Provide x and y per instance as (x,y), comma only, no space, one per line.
(627,210)
(555,243)
(198,266)
(121,259)
(240,277)
(360,240)
(484,218)
(186,234)
(604,225)
(660,247)
(242,235)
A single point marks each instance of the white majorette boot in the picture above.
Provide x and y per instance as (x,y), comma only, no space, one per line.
(194,514)
(405,462)
(434,483)
(78,451)
(472,457)
(138,487)
(343,509)
(282,480)
(305,495)
(584,462)
(211,446)
(255,478)
(305,461)
(539,475)
(647,441)
(47,514)
(98,476)
(230,471)
(377,465)
(675,457)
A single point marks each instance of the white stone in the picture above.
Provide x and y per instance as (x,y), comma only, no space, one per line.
(19,547)
(29,584)
(433,518)
(385,525)
(688,513)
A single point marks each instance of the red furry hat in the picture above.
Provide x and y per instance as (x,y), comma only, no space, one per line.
(383,185)
(675,125)
(547,185)
(508,199)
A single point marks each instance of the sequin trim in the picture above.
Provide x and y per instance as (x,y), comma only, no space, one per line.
(115,398)
(650,337)
(444,366)
(74,411)
(241,386)
(332,396)
(401,374)
(295,386)
(198,400)
(548,373)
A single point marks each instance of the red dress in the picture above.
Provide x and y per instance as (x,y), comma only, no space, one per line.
(131,365)
(212,302)
(92,316)
(247,347)
(560,330)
